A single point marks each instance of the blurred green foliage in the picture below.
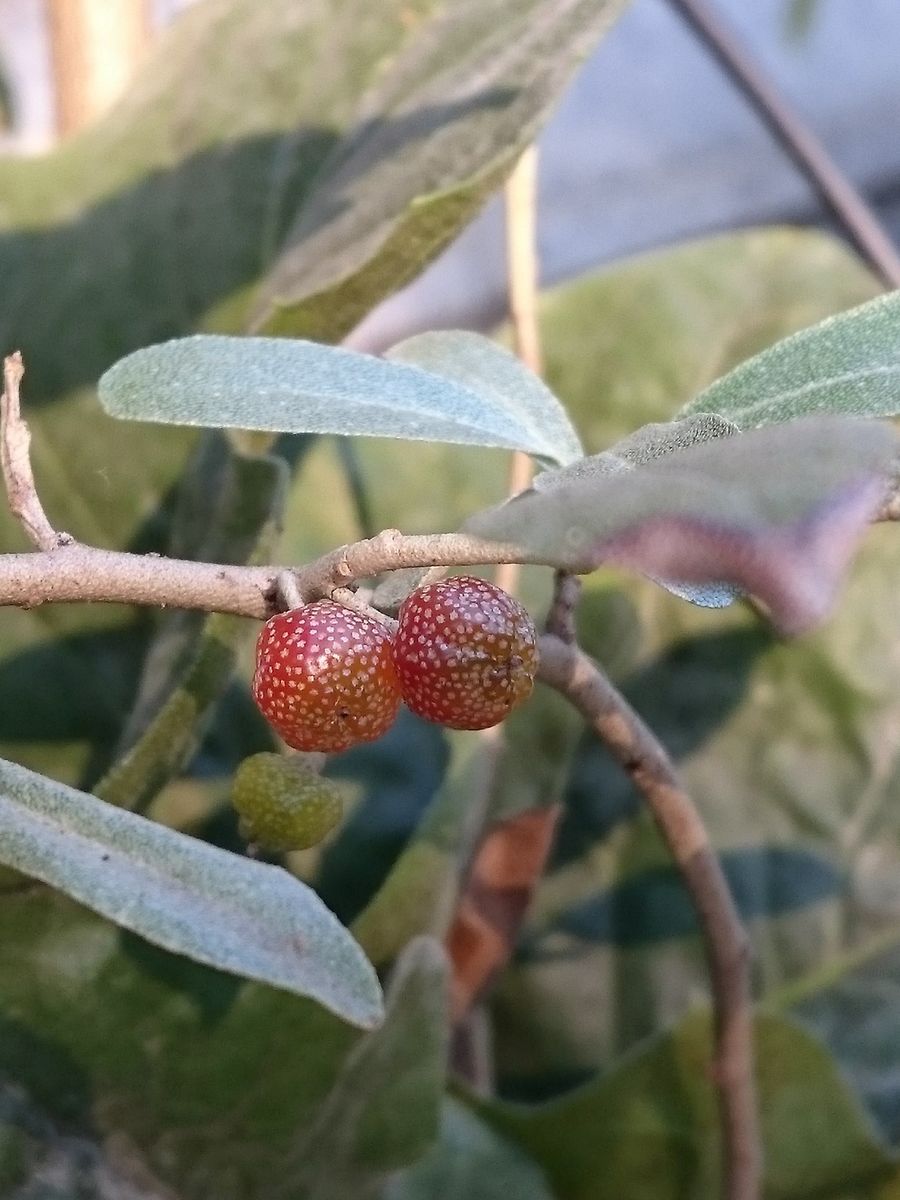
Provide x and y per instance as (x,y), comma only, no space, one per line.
(124,1069)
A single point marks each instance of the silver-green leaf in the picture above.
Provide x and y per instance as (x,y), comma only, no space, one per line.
(848,365)
(241,916)
(776,512)
(500,378)
(293,386)
(440,128)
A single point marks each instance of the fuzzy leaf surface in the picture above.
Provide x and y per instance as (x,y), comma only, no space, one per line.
(184,895)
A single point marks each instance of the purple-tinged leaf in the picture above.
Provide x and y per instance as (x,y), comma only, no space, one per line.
(794,570)
(776,513)
(642,446)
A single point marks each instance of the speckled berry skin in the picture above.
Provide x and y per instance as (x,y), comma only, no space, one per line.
(282,805)
(325,678)
(465,653)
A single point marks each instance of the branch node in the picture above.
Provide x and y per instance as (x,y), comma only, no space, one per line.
(287,593)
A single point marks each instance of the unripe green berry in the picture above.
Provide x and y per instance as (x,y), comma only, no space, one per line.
(282,805)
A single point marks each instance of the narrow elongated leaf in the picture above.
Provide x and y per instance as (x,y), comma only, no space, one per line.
(847,365)
(485,783)
(419,894)
(302,387)
(439,131)
(123,1043)
(501,378)
(776,512)
(665,437)
(371,131)
(184,895)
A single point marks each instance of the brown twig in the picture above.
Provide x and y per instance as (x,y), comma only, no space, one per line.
(842,199)
(287,594)
(637,750)
(79,573)
(95,47)
(15,458)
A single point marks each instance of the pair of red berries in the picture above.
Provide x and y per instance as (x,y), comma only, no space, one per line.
(464,655)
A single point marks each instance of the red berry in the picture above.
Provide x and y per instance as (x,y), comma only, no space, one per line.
(465,652)
(325,678)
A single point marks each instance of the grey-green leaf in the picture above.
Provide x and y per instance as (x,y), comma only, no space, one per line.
(241,916)
(644,445)
(776,512)
(294,386)
(384,1107)
(847,365)
(665,437)
(500,378)
(433,138)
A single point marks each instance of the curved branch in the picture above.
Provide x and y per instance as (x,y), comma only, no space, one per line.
(572,673)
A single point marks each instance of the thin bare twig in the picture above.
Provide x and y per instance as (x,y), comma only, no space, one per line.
(842,199)
(95,48)
(637,750)
(522,261)
(522,270)
(15,458)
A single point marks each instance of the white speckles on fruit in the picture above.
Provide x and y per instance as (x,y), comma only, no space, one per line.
(465,653)
(337,684)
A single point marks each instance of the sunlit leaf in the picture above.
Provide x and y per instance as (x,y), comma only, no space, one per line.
(500,378)
(433,138)
(848,365)
(302,387)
